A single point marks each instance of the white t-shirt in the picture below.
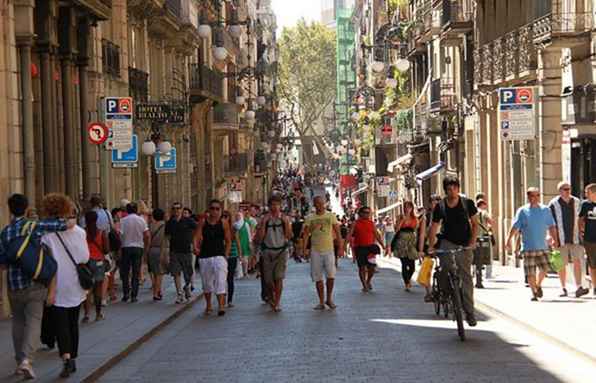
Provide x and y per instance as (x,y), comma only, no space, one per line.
(69,292)
(389,228)
(133,227)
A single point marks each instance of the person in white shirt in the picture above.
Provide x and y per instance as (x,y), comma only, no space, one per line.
(135,243)
(69,248)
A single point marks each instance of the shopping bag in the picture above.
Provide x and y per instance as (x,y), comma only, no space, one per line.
(425,271)
(556,261)
(239,272)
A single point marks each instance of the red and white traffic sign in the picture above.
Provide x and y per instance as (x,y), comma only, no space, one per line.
(98,133)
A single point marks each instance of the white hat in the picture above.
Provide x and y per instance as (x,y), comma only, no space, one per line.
(124,202)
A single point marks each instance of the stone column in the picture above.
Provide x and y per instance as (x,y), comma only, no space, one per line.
(549,121)
(49,135)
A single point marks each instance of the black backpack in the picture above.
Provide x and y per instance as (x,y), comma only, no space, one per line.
(113,235)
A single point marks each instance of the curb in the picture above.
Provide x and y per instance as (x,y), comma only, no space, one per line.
(486,308)
(98,372)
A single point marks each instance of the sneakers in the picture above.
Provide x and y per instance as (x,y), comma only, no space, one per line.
(68,368)
(564,293)
(539,292)
(26,370)
(471,319)
(179,299)
(187,292)
(581,291)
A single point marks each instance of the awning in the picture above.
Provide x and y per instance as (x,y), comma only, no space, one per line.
(403,159)
(388,208)
(361,190)
(429,172)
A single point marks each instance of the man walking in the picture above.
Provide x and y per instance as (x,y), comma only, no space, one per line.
(565,210)
(322,227)
(363,235)
(26,296)
(457,217)
(274,233)
(135,243)
(181,231)
(533,221)
(587,227)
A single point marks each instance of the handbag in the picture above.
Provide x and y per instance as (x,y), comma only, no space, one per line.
(33,257)
(425,271)
(556,261)
(113,235)
(84,272)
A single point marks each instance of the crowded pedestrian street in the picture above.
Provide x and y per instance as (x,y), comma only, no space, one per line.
(219,191)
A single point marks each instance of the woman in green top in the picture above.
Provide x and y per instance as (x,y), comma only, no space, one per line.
(235,252)
(244,235)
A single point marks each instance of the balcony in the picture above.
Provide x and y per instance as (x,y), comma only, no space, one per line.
(563,29)
(110,58)
(225,117)
(175,7)
(138,84)
(100,8)
(457,16)
(261,162)
(231,44)
(442,95)
(236,165)
(205,83)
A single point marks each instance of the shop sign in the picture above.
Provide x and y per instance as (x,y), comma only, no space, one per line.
(164,113)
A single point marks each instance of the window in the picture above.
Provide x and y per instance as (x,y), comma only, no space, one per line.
(110,58)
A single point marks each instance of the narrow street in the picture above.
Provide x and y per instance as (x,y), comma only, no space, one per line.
(384,336)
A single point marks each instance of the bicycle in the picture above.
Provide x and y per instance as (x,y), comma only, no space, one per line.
(447,293)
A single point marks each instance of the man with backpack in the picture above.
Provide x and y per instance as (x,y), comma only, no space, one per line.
(274,233)
(181,232)
(458,220)
(26,293)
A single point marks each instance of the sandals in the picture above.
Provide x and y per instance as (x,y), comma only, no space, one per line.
(277,309)
(85,319)
(331,305)
(208,311)
(319,307)
(221,313)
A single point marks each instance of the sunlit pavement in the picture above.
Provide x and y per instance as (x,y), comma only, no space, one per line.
(384,336)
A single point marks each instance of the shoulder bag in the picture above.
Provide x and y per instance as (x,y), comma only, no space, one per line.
(83,270)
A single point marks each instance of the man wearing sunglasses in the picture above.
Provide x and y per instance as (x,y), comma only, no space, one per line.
(181,230)
(566,209)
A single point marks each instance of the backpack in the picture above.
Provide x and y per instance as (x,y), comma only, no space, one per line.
(33,257)
(443,207)
(113,235)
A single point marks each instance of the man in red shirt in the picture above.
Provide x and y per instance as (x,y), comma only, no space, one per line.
(364,237)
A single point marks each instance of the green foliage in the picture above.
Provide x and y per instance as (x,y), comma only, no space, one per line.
(403,120)
(307,72)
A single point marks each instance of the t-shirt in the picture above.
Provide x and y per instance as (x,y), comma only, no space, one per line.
(588,211)
(181,234)
(244,235)
(321,231)
(69,292)
(133,227)
(364,232)
(96,246)
(456,225)
(533,222)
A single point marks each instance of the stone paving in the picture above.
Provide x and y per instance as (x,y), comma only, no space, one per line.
(384,336)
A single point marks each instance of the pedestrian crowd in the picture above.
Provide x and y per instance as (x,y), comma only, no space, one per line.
(63,257)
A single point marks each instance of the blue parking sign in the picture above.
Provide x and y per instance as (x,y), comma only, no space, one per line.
(166,163)
(129,158)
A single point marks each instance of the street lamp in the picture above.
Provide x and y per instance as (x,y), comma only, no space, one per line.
(148,148)
(164,147)
(250,115)
(402,64)
(220,53)
(378,66)
(261,100)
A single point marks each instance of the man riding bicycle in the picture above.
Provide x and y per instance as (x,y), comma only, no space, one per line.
(459,228)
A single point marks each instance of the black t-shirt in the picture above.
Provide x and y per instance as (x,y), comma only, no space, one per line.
(456,226)
(297,228)
(181,234)
(588,211)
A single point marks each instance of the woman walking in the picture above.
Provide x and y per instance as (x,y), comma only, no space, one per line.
(158,252)
(236,254)
(406,241)
(69,248)
(98,243)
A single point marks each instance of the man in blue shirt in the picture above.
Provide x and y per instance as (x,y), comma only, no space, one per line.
(533,221)
(26,296)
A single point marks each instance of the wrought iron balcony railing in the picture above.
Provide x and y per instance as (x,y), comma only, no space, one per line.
(206,80)
(225,115)
(110,58)
(557,24)
(138,84)
(442,94)
(457,14)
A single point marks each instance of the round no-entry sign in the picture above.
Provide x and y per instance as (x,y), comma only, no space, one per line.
(98,133)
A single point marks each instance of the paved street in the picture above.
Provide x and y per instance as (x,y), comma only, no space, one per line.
(387,335)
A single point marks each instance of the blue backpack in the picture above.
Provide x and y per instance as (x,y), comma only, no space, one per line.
(34,258)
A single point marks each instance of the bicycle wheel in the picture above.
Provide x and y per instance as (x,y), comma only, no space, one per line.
(436,294)
(457,310)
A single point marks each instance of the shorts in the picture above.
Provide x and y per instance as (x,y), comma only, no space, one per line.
(534,259)
(570,253)
(214,274)
(275,264)
(591,253)
(362,253)
(180,262)
(98,269)
(322,263)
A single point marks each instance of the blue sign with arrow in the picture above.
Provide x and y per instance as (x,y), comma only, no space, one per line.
(165,163)
(129,158)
